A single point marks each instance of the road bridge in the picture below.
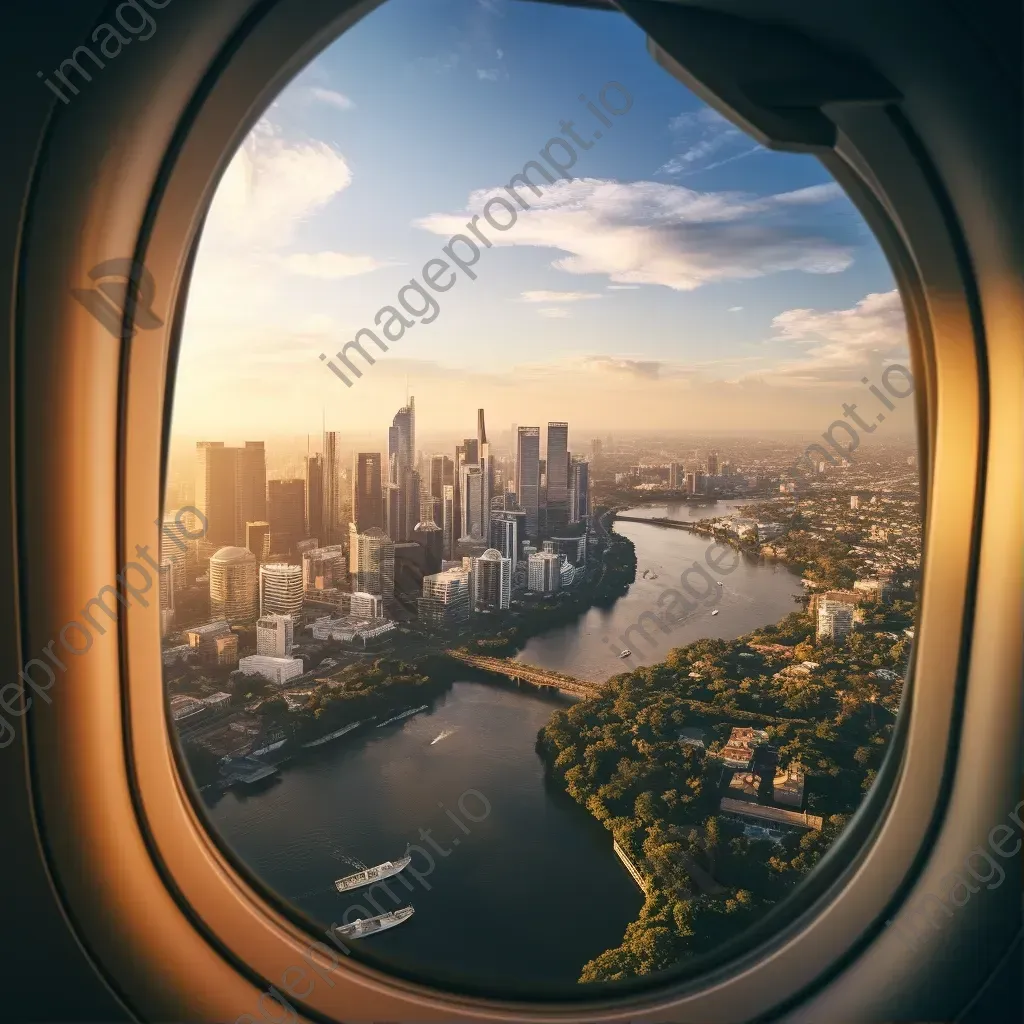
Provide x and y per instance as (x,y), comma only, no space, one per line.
(519,672)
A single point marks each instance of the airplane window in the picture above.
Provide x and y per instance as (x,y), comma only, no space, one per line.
(555,447)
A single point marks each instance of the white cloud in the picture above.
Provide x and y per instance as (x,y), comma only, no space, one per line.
(703,134)
(842,343)
(487,75)
(331,265)
(555,313)
(642,369)
(647,232)
(333,98)
(560,296)
(622,287)
(271,186)
(735,309)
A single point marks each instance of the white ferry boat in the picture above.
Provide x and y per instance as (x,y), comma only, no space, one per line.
(715,612)
(625,654)
(372,925)
(371,875)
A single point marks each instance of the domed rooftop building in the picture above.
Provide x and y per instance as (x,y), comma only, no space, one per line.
(233,585)
(491,581)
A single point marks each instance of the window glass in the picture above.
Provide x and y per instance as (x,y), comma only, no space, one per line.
(552,449)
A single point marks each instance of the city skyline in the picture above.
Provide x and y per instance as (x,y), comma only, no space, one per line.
(753,295)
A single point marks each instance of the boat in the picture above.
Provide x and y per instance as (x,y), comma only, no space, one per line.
(371,875)
(404,714)
(625,654)
(719,582)
(366,926)
(715,612)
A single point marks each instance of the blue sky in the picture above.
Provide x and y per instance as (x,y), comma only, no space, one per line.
(685,278)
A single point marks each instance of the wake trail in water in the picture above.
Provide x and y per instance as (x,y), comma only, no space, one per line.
(443,735)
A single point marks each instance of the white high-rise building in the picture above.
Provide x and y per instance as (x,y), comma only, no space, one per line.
(275,635)
(835,619)
(233,585)
(445,599)
(491,581)
(331,510)
(448,525)
(367,606)
(281,589)
(173,548)
(545,572)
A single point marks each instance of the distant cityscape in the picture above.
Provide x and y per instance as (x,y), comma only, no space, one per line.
(398,546)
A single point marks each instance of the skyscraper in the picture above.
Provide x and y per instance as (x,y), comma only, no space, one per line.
(579,491)
(286,504)
(367,493)
(557,476)
(486,462)
(402,472)
(173,550)
(217,492)
(252,485)
(472,503)
(460,459)
(315,498)
(429,536)
(375,564)
(257,539)
(332,525)
(442,473)
(449,521)
(713,464)
(507,529)
(528,476)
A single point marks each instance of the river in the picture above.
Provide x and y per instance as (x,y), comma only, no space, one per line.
(522,897)
(753,594)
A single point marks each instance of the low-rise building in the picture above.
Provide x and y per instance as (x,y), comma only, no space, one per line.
(275,670)
(187,710)
(203,639)
(777,815)
(789,786)
(739,751)
(352,630)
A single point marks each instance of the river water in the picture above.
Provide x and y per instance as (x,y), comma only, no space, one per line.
(515,887)
(753,594)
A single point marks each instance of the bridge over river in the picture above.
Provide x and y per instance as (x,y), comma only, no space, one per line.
(519,672)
